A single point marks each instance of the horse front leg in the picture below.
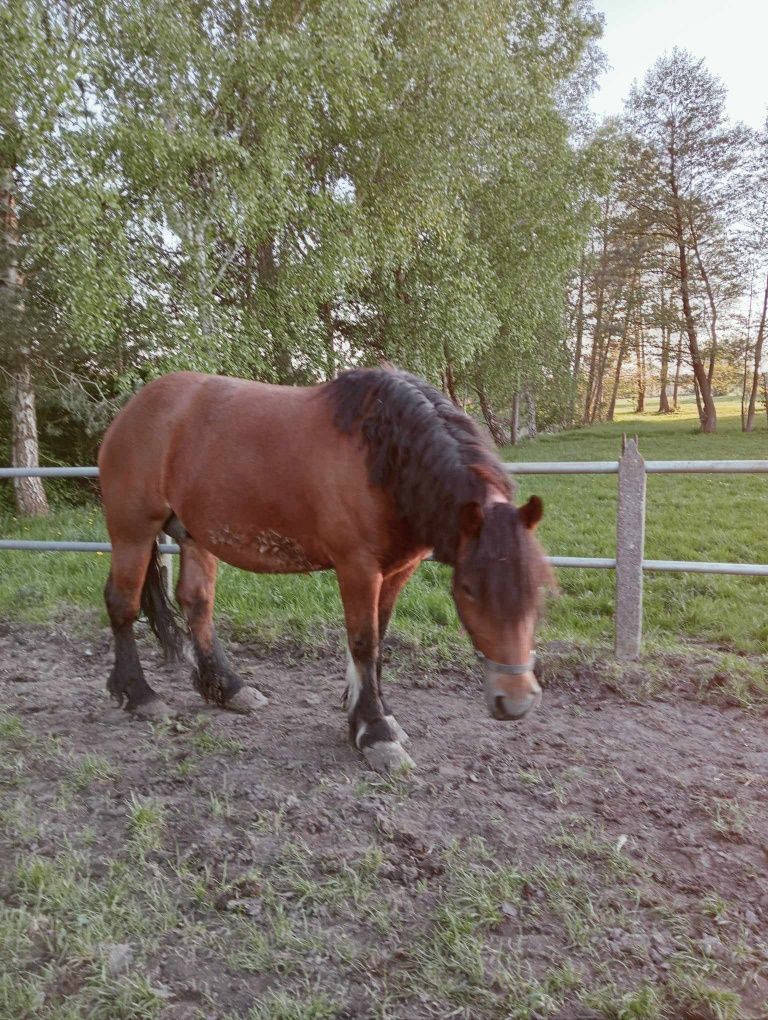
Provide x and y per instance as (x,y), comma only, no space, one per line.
(391,587)
(369,729)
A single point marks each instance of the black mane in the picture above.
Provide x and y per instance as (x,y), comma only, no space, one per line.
(421,447)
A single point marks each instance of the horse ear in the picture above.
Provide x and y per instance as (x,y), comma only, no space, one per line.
(470,519)
(531,512)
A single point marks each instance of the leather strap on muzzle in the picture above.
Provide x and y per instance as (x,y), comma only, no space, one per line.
(508,669)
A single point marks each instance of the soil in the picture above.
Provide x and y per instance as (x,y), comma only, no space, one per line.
(657,805)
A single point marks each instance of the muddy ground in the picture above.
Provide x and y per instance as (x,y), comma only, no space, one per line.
(605,858)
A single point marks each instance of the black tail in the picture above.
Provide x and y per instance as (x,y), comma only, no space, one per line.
(160,612)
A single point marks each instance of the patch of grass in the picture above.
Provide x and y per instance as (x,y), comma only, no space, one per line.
(206,740)
(284,1006)
(641,1003)
(11,729)
(145,824)
(588,843)
(62,921)
(91,768)
(729,819)
(342,883)
(278,944)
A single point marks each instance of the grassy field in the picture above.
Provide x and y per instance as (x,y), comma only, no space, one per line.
(716,517)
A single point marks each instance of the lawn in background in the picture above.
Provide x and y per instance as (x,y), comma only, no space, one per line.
(690,517)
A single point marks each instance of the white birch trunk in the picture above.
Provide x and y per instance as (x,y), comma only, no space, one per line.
(30,494)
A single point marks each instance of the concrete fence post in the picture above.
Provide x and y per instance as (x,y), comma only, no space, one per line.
(166,565)
(630,545)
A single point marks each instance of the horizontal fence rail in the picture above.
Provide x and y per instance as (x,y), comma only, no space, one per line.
(628,563)
(652,467)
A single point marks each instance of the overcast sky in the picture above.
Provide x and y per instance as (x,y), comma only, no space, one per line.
(731,35)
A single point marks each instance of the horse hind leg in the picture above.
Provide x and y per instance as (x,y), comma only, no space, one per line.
(122,595)
(213,676)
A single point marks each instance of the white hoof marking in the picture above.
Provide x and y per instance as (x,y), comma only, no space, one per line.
(247,701)
(354,685)
(387,756)
(397,729)
(153,710)
(360,733)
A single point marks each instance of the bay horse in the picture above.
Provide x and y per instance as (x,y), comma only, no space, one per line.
(365,475)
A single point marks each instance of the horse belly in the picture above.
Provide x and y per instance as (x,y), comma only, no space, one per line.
(264,551)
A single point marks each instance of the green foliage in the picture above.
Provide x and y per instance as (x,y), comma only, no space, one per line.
(278,192)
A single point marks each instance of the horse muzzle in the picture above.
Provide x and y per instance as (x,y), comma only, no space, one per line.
(511,691)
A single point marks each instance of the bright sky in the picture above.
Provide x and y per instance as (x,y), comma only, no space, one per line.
(731,36)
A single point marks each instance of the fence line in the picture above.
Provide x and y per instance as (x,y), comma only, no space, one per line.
(629,562)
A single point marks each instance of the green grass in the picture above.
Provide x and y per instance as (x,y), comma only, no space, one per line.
(690,517)
(487,932)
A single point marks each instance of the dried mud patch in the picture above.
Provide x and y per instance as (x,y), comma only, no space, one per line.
(606,858)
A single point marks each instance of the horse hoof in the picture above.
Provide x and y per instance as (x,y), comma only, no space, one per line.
(388,756)
(397,729)
(154,710)
(246,701)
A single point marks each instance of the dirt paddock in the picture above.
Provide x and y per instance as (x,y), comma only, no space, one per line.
(607,857)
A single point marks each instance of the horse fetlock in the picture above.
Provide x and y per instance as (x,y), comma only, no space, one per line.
(366,733)
(129,691)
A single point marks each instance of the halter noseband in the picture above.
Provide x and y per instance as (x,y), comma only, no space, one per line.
(506,668)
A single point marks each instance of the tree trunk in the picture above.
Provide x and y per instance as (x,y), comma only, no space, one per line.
(666,339)
(678,365)
(579,344)
(708,411)
(620,355)
(751,410)
(595,354)
(640,353)
(514,420)
(710,301)
(697,394)
(490,418)
(530,403)
(616,380)
(29,492)
(664,407)
(449,380)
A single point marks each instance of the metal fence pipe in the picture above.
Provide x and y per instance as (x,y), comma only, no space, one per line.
(587,562)
(50,472)
(563,467)
(706,467)
(102,547)
(698,567)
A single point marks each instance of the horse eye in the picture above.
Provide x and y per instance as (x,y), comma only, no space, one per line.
(467,590)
